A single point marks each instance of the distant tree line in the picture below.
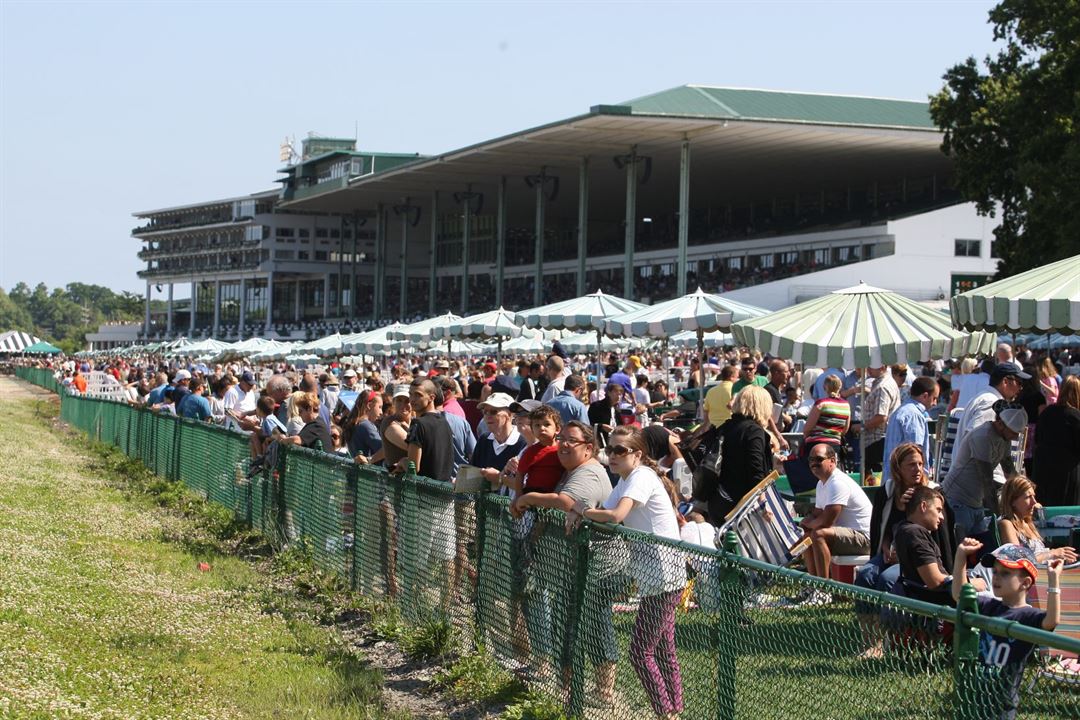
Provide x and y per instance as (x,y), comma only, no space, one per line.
(65,315)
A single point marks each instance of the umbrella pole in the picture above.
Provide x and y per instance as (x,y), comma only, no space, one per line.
(599,354)
(862,427)
(701,374)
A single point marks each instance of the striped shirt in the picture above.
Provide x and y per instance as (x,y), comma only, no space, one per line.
(833,417)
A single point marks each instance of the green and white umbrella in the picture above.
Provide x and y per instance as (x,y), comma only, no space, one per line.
(329,346)
(689,339)
(1045,299)
(497,325)
(587,342)
(859,327)
(583,313)
(699,311)
(419,333)
(373,342)
(209,346)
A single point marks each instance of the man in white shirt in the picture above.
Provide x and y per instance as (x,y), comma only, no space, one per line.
(239,402)
(557,372)
(840,521)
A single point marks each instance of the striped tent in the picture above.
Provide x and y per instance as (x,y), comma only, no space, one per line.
(1043,300)
(14,341)
(859,327)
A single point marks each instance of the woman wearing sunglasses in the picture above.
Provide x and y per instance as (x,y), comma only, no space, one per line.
(642,501)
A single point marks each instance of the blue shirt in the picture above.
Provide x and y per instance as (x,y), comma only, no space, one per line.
(464,440)
(157,395)
(907,424)
(569,407)
(195,407)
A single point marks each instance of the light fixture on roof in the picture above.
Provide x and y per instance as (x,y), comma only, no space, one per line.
(647,219)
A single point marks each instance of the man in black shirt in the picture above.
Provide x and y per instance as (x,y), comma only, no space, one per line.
(921,562)
(431,446)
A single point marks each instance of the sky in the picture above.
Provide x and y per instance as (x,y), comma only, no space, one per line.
(108,108)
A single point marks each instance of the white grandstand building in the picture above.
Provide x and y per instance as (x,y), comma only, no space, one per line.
(772,197)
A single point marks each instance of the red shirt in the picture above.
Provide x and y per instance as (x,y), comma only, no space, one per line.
(540,467)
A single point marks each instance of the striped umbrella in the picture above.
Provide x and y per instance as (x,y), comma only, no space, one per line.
(689,339)
(422,332)
(859,327)
(373,342)
(584,313)
(497,325)
(1046,299)
(328,346)
(699,311)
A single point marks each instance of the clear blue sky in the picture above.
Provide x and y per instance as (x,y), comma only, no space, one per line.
(110,108)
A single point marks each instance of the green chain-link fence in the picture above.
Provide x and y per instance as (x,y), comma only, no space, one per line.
(609,622)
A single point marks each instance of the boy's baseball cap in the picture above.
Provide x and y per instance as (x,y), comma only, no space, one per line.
(1015,557)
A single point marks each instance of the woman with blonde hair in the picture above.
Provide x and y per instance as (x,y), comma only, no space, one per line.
(1017,507)
(1048,382)
(1056,460)
(746,452)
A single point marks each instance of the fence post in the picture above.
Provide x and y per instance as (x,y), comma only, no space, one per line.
(480,513)
(966,653)
(354,498)
(577,650)
(731,611)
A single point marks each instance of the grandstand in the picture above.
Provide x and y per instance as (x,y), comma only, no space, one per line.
(773,196)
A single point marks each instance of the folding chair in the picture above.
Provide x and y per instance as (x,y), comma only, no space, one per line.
(764,526)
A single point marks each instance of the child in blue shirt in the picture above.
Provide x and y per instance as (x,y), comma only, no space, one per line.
(1014,574)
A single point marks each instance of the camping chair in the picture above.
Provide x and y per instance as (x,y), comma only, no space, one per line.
(945,439)
(764,526)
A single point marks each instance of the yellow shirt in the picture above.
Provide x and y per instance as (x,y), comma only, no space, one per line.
(716,403)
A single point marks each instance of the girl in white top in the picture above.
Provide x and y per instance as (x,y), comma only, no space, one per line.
(641,501)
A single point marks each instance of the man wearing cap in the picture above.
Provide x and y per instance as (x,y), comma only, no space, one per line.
(239,402)
(181,386)
(349,379)
(568,402)
(1006,382)
(970,487)
(502,441)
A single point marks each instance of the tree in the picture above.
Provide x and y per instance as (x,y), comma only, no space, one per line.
(1013,131)
(12,316)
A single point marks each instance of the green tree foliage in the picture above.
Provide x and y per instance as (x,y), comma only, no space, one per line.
(64,315)
(1012,131)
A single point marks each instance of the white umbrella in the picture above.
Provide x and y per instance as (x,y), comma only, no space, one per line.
(588,312)
(373,342)
(689,339)
(329,346)
(497,325)
(421,332)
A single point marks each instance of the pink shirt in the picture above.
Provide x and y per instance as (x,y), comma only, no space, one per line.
(452,406)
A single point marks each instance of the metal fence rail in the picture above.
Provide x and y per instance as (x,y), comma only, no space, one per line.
(585,616)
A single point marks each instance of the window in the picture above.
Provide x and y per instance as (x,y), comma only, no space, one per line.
(320,255)
(321,232)
(304,232)
(302,255)
(968,248)
(283,254)
(285,232)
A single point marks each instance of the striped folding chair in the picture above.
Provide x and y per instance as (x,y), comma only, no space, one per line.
(1059,664)
(764,525)
(945,440)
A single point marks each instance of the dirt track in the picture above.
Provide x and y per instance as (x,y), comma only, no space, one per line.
(12,388)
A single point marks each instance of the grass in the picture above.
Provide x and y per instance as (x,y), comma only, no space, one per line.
(111,607)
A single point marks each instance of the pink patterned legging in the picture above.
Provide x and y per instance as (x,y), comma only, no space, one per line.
(652,652)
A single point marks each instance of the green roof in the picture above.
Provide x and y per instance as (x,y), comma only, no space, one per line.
(742,104)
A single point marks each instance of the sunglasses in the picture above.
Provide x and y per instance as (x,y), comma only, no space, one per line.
(572,442)
(619,450)
(818,459)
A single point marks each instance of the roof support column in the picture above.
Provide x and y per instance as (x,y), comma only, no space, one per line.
(538,252)
(168,312)
(433,278)
(410,215)
(217,308)
(380,264)
(296,300)
(340,299)
(191,318)
(269,303)
(631,223)
(326,295)
(500,241)
(539,183)
(146,321)
(684,213)
(466,199)
(243,308)
(582,224)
